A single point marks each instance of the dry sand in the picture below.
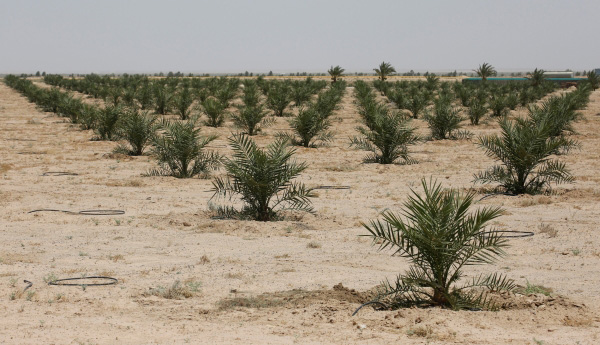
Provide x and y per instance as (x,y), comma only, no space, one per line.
(289,268)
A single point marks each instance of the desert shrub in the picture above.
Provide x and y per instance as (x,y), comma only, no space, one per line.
(262,179)
(251,120)
(439,234)
(524,150)
(387,136)
(444,120)
(180,152)
(138,129)
(477,110)
(107,121)
(215,111)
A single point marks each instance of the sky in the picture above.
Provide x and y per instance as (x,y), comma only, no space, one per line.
(148,36)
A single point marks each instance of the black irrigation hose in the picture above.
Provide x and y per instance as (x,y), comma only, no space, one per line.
(515,233)
(111,281)
(84,212)
(332,187)
(59,173)
(495,194)
(368,303)
(29,284)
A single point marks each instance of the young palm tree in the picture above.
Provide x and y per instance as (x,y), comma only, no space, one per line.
(88,116)
(278,98)
(477,110)
(138,129)
(106,122)
(145,97)
(593,79)
(180,150)
(444,120)
(536,77)
(335,73)
(432,82)
(215,111)
(387,136)
(300,94)
(498,105)
(524,149)
(183,103)
(262,179)
(416,102)
(251,119)
(440,236)
(485,71)
(385,69)
(163,97)
(311,126)
(251,95)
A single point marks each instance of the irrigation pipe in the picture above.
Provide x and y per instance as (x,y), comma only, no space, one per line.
(332,187)
(59,173)
(511,233)
(29,284)
(60,282)
(368,303)
(84,212)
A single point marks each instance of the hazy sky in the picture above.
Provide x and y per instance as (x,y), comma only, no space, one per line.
(83,36)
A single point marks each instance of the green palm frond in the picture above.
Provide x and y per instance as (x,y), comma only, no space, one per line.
(263,179)
(180,152)
(439,235)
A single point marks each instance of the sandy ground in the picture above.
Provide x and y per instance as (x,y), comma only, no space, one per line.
(288,268)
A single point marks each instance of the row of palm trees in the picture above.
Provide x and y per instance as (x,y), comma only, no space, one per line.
(484,71)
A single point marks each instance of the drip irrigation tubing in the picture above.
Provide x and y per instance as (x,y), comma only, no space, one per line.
(368,303)
(29,284)
(496,194)
(332,187)
(84,212)
(511,233)
(110,281)
(59,173)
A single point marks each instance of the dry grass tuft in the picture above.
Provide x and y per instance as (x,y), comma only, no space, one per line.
(116,258)
(313,245)
(538,200)
(176,291)
(548,230)
(203,260)
(256,302)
